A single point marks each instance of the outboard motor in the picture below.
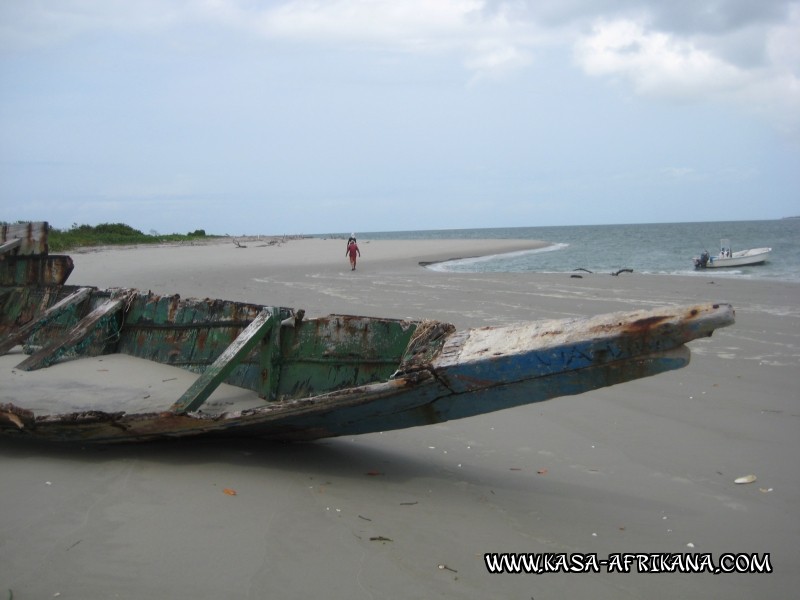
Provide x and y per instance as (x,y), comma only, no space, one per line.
(701,262)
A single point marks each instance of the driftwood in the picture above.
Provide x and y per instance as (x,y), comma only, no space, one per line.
(615,274)
(239,244)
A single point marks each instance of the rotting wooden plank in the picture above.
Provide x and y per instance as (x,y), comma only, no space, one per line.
(269,360)
(205,385)
(76,335)
(9,246)
(35,269)
(190,333)
(32,234)
(268,368)
(17,335)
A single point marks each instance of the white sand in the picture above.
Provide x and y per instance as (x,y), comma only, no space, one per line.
(647,466)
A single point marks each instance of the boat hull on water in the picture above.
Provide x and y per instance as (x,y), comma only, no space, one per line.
(726,258)
(122,365)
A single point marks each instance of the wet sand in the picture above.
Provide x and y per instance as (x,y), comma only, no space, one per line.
(647,467)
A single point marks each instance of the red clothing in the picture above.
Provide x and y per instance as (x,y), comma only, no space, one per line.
(352,249)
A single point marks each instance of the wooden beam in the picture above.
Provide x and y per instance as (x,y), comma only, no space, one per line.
(88,325)
(9,246)
(270,357)
(17,335)
(216,373)
(33,236)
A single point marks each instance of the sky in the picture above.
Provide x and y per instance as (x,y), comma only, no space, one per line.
(306,117)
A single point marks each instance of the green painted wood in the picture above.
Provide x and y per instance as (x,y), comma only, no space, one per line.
(17,335)
(34,269)
(325,355)
(20,304)
(187,333)
(205,385)
(96,320)
(192,333)
(269,370)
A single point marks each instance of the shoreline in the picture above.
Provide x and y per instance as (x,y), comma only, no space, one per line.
(426,253)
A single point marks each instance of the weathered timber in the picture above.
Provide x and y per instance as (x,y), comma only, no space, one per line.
(17,335)
(24,258)
(205,385)
(345,375)
(35,269)
(9,246)
(190,333)
(269,366)
(96,321)
(21,304)
(32,236)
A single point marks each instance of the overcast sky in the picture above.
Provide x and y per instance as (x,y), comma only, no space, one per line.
(299,116)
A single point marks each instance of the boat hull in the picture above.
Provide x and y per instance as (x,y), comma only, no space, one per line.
(340,375)
(120,365)
(743,258)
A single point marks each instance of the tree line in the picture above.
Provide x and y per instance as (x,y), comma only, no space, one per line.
(106,234)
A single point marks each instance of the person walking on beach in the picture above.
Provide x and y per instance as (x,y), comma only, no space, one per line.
(352,250)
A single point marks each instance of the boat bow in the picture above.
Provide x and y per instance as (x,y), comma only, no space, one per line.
(491,356)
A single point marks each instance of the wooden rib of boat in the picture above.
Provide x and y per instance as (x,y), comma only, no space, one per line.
(85,364)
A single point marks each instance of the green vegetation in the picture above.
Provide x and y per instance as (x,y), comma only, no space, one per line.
(112,234)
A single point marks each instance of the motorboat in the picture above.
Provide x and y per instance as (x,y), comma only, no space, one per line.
(728,258)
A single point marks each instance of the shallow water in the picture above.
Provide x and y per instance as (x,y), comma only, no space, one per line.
(661,248)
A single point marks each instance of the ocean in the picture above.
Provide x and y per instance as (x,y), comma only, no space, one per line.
(655,248)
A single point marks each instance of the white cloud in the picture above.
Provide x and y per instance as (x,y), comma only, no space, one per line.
(665,65)
(783,41)
(488,42)
(496,56)
(740,52)
(737,51)
(654,62)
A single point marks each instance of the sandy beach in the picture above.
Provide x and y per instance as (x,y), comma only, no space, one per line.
(644,467)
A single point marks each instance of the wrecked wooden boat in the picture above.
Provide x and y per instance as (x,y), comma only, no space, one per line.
(82,364)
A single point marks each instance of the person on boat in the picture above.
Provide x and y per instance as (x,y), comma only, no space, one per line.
(352,250)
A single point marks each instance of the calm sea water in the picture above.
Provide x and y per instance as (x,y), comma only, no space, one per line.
(662,248)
